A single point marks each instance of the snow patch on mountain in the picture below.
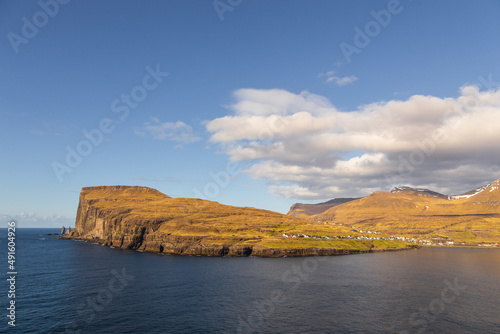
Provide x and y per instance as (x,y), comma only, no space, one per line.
(495,185)
(476,191)
(423,190)
(402,188)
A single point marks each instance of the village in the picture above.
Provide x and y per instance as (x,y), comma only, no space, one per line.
(435,241)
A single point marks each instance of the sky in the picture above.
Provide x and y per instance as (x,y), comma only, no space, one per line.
(248,103)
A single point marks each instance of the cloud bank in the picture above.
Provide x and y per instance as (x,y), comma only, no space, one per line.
(30,219)
(306,148)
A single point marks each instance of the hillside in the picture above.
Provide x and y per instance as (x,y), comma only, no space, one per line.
(145,219)
(473,217)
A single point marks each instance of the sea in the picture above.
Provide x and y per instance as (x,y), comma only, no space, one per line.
(68,286)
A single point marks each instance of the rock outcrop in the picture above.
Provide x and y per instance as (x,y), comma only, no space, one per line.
(63,230)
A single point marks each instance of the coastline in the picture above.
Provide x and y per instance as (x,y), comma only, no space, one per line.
(243,250)
(461,246)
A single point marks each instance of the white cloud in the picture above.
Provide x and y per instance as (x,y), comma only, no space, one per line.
(173,131)
(342,81)
(339,81)
(326,74)
(306,148)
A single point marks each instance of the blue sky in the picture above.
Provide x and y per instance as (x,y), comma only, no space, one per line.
(260,91)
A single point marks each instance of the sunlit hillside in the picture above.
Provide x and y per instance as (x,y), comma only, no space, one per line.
(470,218)
(143,218)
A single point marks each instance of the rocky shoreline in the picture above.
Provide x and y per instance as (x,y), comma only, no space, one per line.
(185,248)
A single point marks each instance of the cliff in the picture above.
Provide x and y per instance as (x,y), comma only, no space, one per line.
(144,219)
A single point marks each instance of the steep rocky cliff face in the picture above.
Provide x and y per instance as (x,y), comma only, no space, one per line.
(142,218)
(104,211)
(111,215)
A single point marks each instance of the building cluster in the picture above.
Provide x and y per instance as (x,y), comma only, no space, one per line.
(356,237)
(435,241)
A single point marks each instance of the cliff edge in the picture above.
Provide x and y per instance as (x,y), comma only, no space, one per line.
(141,218)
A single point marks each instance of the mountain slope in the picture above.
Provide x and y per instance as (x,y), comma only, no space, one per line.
(304,210)
(424,213)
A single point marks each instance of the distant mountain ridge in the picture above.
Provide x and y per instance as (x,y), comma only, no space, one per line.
(492,186)
(300,209)
(421,190)
(473,216)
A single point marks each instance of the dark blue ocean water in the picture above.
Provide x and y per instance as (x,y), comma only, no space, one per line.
(78,287)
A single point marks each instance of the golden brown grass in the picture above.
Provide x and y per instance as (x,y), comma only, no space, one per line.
(220,224)
(410,213)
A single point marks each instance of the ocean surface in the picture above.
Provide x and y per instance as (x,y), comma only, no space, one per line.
(67,286)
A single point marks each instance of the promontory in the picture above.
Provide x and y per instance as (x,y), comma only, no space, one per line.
(141,218)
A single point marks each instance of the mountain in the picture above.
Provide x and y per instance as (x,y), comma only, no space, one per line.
(418,190)
(145,219)
(483,193)
(304,210)
(472,217)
